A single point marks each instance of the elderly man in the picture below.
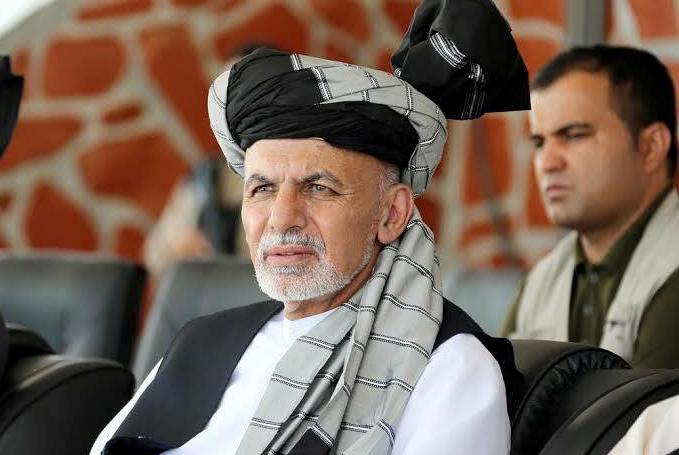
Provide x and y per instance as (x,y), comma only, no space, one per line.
(363,355)
(603,124)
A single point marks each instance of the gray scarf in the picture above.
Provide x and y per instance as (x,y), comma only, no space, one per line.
(350,377)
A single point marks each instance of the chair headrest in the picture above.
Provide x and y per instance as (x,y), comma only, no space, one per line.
(550,368)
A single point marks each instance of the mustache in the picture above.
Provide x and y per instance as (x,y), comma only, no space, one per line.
(272,239)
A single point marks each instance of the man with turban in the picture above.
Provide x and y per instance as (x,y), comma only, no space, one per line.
(358,352)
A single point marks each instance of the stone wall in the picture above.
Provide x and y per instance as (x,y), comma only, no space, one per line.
(114,113)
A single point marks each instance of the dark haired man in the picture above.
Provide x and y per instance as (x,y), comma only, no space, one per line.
(603,125)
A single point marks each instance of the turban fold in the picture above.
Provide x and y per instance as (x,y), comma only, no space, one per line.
(11,87)
(399,119)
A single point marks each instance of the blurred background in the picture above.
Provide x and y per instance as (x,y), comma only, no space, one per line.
(114,112)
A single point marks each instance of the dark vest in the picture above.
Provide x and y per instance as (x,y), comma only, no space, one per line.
(196,369)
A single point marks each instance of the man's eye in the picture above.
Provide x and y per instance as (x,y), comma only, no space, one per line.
(319,188)
(261,189)
(538,142)
(576,136)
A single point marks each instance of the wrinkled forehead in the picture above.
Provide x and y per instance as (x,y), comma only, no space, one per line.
(300,158)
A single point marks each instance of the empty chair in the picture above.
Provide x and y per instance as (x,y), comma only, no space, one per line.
(189,290)
(484,294)
(81,304)
(55,404)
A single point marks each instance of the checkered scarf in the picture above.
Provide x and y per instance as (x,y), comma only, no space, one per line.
(349,378)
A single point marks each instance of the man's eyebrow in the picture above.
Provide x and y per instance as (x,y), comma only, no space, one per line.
(571,126)
(322,175)
(256,178)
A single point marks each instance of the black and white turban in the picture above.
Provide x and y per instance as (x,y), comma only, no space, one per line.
(457,61)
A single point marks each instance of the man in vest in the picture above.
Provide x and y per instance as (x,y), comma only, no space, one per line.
(603,125)
(363,355)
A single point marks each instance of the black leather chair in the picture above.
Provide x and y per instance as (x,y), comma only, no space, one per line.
(605,404)
(55,404)
(83,305)
(580,399)
(550,369)
(188,290)
(4,346)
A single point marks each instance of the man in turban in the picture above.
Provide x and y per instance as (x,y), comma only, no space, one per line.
(358,352)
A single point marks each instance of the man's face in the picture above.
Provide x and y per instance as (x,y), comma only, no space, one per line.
(310,213)
(586,163)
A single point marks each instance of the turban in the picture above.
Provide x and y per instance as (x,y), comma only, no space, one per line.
(11,87)
(400,119)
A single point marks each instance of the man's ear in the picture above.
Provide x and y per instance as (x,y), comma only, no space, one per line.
(396,212)
(654,143)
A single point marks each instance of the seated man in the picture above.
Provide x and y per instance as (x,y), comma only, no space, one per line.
(604,127)
(363,355)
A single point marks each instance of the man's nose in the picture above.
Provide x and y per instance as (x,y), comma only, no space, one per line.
(549,158)
(288,211)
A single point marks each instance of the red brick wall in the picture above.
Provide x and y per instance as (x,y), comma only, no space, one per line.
(114,112)
(650,25)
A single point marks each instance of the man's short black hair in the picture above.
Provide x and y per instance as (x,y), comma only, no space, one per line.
(642,91)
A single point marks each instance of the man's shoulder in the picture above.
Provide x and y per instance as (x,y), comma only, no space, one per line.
(555,259)
(454,320)
(465,350)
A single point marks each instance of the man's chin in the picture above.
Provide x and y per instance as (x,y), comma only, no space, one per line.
(288,295)
(298,287)
(562,219)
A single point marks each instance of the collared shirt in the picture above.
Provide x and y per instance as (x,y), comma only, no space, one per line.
(595,286)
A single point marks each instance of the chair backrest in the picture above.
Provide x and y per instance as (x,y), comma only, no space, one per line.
(59,404)
(550,369)
(189,290)
(484,294)
(55,404)
(4,345)
(82,305)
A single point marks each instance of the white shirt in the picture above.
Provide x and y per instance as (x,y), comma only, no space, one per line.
(654,432)
(460,393)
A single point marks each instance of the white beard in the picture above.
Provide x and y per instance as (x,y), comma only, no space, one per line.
(290,283)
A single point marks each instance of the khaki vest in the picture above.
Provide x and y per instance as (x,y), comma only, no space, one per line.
(545,301)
